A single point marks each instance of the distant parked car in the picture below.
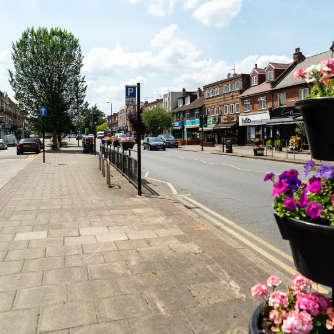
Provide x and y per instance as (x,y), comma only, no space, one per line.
(10,140)
(28,145)
(100,134)
(3,145)
(91,135)
(169,140)
(154,143)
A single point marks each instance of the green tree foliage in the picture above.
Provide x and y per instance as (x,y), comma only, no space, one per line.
(47,65)
(102,127)
(301,131)
(157,120)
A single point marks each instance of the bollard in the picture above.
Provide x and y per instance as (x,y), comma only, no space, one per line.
(108,173)
(103,168)
(100,158)
(287,156)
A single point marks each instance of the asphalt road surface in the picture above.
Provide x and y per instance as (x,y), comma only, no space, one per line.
(231,186)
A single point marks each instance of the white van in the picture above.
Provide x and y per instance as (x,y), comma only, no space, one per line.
(10,140)
(100,134)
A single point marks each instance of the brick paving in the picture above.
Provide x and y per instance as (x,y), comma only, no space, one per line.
(78,257)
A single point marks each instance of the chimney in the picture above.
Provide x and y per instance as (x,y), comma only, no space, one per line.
(199,93)
(298,56)
(332,49)
(255,66)
(183,92)
(228,75)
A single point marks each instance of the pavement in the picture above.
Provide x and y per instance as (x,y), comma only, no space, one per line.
(247,152)
(78,257)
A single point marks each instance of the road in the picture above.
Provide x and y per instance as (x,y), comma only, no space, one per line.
(231,186)
(11,164)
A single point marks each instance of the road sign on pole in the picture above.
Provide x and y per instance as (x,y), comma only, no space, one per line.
(42,111)
(130,95)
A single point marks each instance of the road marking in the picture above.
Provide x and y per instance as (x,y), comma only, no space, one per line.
(174,192)
(31,157)
(241,229)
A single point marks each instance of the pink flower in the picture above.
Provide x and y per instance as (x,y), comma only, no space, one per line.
(290,203)
(273,281)
(329,62)
(332,199)
(278,298)
(302,200)
(314,187)
(276,317)
(323,302)
(330,322)
(299,73)
(278,188)
(297,323)
(259,289)
(307,303)
(300,283)
(313,209)
(292,173)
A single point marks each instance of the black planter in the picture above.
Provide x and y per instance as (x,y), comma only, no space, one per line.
(127,145)
(254,322)
(318,115)
(312,248)
(115,143)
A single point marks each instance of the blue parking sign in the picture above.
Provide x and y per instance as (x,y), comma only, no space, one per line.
(42,111)
(130,91)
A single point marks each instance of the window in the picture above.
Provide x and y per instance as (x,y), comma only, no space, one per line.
(303,93)
(196,115)
(270,75)
(262,102)
(226,110)
(187,100)
(237,85)
(237,108)
(206,94)
(281,99)
(247,105)
(180,102)
(187,115)
(254,80)
(217,91)
(212,92)
(231,109)
(216,110)
(225,89)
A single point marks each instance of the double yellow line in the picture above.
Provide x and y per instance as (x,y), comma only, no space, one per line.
(31,157)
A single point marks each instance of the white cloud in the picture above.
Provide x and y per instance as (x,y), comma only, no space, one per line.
(218,13)
(156,10)
(191,3)
(5,64)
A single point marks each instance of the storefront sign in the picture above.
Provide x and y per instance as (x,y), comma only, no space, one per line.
(257,119)
(212,120)
(177,124)
(192,122)
(228,119)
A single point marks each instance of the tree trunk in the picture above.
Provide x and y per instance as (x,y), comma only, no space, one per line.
(54,140)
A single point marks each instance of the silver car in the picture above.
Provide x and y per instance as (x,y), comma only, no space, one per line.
(3,145)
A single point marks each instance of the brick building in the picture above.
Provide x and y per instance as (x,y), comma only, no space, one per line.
(158,103)
(222,106)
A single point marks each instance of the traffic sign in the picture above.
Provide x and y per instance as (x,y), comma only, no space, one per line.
(130,95)
(42,111)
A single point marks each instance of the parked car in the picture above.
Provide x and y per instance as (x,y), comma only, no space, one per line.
(100,134)
(10,140)
(169,140)
(91,136)
(3,145)
(154,143)
(28,145)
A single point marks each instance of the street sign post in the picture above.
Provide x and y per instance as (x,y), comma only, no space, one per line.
(43,113)
(130,95)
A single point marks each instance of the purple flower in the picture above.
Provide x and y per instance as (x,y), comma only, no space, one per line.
(293,182)
(314,187)
(302,200)
(313,209)
(283,176)
(308,167)
(269,176)
(290,203)
(292,173)
(326,171)
(278,187)
(314,178)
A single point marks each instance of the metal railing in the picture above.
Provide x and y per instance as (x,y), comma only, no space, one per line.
(119,159)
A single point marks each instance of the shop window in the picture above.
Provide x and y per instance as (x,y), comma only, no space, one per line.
(237,108)
(262,102)
(303,93)
(246,105)
(281,99)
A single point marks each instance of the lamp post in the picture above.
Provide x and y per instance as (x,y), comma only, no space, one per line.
(110,114)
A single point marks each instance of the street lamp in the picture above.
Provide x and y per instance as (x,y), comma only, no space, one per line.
(110,113)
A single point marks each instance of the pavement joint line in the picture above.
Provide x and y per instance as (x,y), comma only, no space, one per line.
(168,184)
(241,229)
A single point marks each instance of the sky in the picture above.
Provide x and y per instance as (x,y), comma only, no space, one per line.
(167,45)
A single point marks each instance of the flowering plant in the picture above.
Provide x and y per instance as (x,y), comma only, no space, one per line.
(114,138)
(309,201)
(321,75)
(128,140)
(297,311)
(295,142)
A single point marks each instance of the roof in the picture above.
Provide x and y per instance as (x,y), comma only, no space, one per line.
(279,65)
(225,80)
(198,103)
(258,70)
(289,79)
(254,90)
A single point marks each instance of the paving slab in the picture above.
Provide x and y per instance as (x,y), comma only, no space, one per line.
(19,322)
(31,235)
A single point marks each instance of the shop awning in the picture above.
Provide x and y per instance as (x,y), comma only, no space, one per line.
(191,126)
(210,127)
(285,121)
(177,128)
(225,125)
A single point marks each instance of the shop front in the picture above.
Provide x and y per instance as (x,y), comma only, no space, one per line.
(256,127)
(228,129)
(177,130)
(191,132)
(210,135)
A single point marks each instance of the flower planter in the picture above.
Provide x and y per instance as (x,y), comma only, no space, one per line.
(312,246)
(127,145)
(103,141)
(115,143)
(318,115)
(258,151)
(254,322)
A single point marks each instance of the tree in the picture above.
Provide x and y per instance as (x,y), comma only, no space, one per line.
(102,127)
(47,65)
(157,120)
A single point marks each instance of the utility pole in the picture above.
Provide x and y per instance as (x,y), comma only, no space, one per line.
(43,124)
(139,140)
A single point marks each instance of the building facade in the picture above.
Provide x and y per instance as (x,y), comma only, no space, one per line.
(170,100)
(158,103)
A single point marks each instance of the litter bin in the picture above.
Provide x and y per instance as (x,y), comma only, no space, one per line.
(228,145)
